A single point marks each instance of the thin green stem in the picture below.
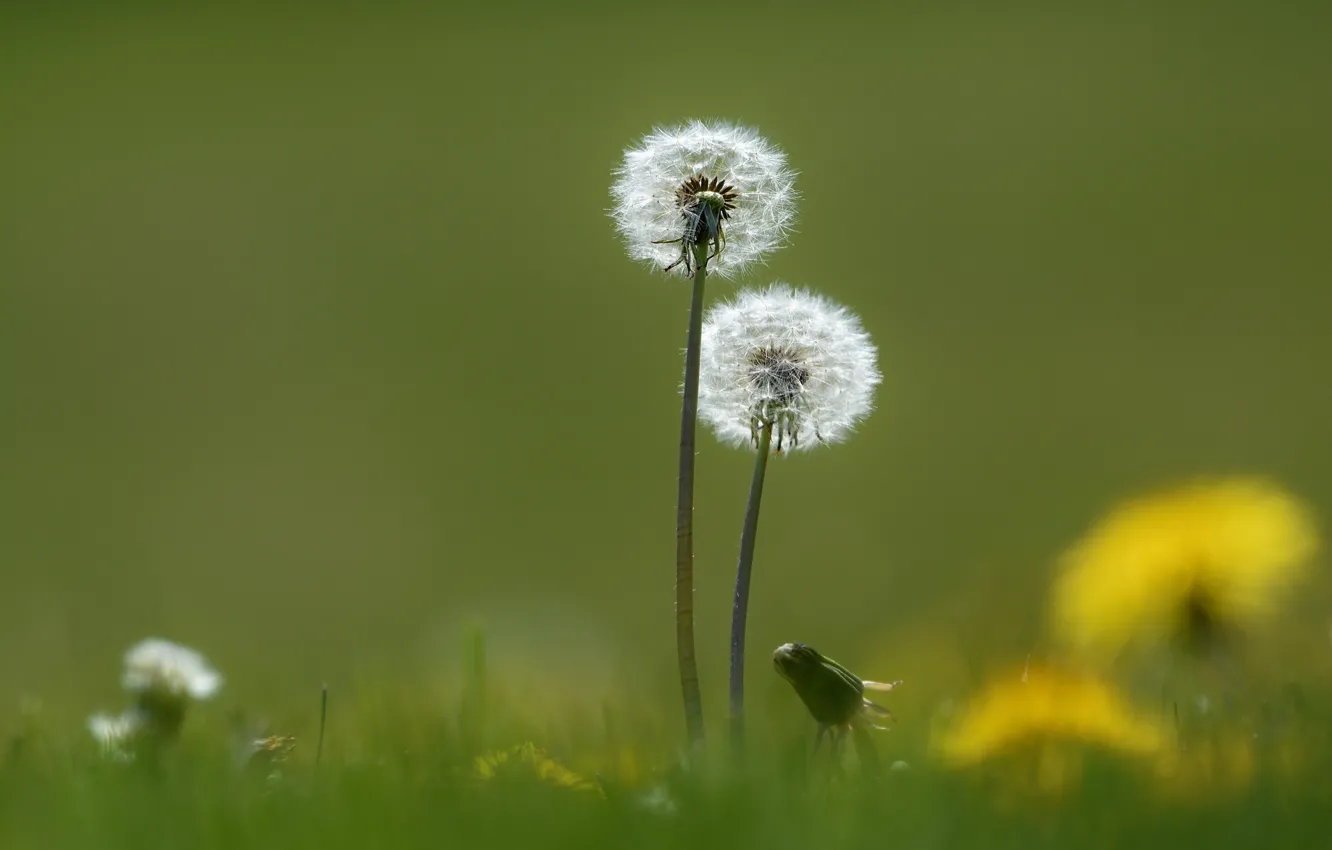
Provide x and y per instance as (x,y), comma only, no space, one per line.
(684,515)
(323,722)
(745,568)
(472,713)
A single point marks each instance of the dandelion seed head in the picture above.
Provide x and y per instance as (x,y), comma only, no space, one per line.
(169,670)
(115,733)
(113,728)
(669,182)
(787,357)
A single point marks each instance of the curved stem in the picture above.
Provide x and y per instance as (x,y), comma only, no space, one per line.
(740,612)
(684,515)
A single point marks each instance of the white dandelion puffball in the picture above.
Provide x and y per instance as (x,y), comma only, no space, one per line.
(114,733)
(169,669)
(788,358)
(657,189)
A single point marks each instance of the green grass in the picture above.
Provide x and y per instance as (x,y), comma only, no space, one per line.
(400,770)
(419,799)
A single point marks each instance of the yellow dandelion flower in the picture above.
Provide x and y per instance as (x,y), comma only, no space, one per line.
(1190,564)
(623,764)
(1209,768)
(1012,714)
(1048,715)
(527,761)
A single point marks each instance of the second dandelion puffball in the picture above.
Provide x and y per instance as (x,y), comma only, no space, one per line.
(163,678)
(789,358)
(169,669)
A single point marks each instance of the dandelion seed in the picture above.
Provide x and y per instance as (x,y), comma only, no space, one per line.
(704,183)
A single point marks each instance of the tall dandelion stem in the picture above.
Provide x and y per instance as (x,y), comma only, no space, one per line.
(694,198)
(744,569)
(684,516)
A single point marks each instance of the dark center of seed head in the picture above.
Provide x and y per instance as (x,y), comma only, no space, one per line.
(778,374)
(713,191)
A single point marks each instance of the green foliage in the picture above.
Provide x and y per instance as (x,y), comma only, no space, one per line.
(409,768)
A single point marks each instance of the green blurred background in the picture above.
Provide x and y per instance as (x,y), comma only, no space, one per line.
(318,343)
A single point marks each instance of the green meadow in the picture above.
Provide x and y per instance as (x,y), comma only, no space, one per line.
(321,356)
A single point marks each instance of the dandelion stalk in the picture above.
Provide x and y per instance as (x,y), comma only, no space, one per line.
(699,198)
(472,712)
(740,610)
(684,516)
(781,369)
(323,722)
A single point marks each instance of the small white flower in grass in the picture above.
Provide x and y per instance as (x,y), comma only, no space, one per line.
(163,678)
(169,671)
(115,734)
(700,183)
(786,357)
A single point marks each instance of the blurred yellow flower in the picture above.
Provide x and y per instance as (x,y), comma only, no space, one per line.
(527,761)
(1188,564)
(1211,767)
(1047,704)
(624,765)
(1047,714)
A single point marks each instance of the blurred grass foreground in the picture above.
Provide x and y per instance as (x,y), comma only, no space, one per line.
(323,369)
